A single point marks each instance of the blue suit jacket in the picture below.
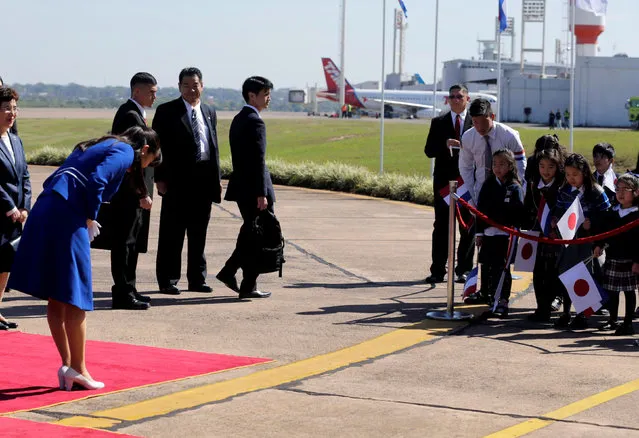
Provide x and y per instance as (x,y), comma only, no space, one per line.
(15,182)
(86,179)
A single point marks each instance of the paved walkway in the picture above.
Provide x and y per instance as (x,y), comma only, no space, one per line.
(353,354)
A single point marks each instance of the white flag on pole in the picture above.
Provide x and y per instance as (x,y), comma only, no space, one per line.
(526,253)
(582,289)
(597,7)
(571,220)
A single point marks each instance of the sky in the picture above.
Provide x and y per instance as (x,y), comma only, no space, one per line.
(103,43)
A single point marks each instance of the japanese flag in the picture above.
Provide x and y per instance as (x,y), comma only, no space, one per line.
(582,289)
(526,253)
(571,220)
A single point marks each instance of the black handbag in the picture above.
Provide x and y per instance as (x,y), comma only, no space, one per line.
(268,244)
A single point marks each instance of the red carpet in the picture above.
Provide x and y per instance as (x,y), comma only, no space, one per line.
(15,428)
(30,363)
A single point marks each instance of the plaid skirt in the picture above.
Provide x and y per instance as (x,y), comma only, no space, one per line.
(618,276)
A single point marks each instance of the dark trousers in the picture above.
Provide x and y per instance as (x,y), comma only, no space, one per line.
(613,305)
(492,257)
(182,213)
(124,262)
(242,254)
(466,248)
(546,282)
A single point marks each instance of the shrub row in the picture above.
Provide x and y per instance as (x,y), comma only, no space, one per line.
(328,176)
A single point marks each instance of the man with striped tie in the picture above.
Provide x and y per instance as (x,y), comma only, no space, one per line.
(188,181)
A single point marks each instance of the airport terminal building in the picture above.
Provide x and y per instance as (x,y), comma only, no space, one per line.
(602,86)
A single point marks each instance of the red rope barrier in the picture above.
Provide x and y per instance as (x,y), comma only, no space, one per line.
(578,241)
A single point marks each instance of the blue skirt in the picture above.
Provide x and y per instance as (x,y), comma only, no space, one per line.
(54,256)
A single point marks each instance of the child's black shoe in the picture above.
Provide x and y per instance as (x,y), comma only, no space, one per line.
(625,329)
(579,322)
(563,321)
(610,325)
(501,311)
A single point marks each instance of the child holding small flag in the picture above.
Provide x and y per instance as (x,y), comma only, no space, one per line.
(580,184)
(622,254)
(540,200)
(502,199)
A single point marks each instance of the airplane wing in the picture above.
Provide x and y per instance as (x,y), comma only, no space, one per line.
(405,105)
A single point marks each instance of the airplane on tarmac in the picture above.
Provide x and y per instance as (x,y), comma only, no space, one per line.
(411,102)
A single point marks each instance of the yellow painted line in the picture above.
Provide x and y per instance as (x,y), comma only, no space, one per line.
(382,345)
(567,411)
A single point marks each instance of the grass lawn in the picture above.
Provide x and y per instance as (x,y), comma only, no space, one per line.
(354,142)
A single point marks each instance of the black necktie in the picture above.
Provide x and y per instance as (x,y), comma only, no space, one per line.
(488,157)
(195,124)
(600,180)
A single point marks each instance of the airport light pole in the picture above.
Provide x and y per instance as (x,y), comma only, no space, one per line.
(381,130)
(432,160)
(342,77)
(572,75)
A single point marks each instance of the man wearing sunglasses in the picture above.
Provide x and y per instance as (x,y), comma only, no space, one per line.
(443,144)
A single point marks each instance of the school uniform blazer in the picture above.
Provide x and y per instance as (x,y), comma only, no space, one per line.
(446,166)
(250,178)
(179,149)
(15,184)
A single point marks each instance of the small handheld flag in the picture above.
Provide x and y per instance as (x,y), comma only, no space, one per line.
(583,291)
(543,216)
(403,6)
(462,191)
(571,220)
(470,287)
(526,253)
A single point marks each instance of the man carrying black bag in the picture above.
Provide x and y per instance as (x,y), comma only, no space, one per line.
(249,185)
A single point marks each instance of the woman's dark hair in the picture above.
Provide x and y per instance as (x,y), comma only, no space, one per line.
(557,158)
(580,163)
(137,137)
(7,94)
(512,164)
(637,165)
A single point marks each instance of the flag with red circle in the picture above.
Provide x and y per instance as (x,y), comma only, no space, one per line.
(571,220)
(583,291)
(526,253)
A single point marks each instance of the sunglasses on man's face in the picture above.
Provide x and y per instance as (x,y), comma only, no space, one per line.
(456,96)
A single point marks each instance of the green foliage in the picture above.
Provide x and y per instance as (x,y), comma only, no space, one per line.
(48,156)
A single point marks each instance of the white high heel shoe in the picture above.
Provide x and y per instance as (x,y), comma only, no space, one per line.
(71,376)
(63,369)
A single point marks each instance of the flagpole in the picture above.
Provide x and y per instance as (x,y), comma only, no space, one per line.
(432,160)
(572,76)
(499,99)
(381,129)
(342,74)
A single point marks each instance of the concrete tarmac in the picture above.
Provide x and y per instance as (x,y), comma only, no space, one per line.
(352,353)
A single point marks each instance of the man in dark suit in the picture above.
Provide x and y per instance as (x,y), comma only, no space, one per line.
(250,183)
(443,144)
(129,208)
(188,181)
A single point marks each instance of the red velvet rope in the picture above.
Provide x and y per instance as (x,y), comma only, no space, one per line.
(548,240)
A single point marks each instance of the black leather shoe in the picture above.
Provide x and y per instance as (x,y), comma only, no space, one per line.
(229,281)
(131,304)
(201,288)
(170,290)
(434,279)
(3,327)
(254,294)
(461,278)
(142,298)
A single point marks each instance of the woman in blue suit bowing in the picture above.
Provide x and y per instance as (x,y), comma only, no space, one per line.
(53,261)
(15,188)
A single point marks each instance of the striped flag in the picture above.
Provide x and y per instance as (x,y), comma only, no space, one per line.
(503,22)
(403,6)
(462,191)
(470,287)
(543,216)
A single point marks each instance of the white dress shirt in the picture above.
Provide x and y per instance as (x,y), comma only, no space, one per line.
(471,156)
(7,146)
(254,109)
(141,108)
(204,129)
(462,117)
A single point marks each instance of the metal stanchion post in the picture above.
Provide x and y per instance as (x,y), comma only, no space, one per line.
(450,314)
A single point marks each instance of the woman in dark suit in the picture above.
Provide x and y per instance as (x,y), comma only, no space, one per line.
(15,188)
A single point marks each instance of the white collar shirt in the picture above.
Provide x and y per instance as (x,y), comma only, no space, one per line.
(254,109)
(205,153)
(6,142)
(140,107)
(471,157)
(462,119)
